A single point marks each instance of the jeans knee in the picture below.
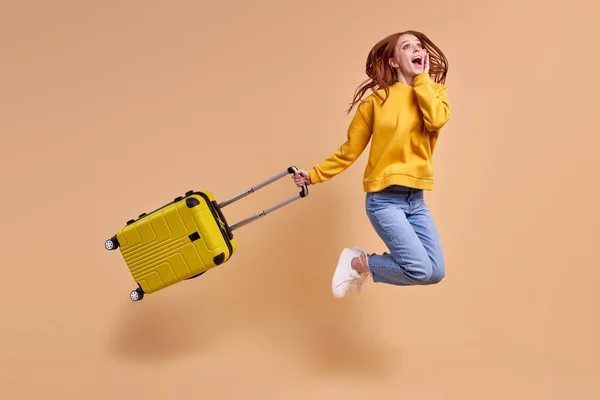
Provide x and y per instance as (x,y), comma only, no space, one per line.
(438,273)
(422,273)
(437,277)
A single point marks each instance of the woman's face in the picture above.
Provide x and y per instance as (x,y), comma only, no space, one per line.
(409,56)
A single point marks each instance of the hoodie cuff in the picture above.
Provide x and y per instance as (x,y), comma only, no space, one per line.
(314,178)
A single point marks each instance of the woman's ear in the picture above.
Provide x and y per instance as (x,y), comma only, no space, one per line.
(393,63)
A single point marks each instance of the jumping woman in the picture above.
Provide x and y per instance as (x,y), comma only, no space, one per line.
(402,118)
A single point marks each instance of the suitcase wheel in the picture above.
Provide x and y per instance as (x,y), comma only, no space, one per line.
(112,243)
(136,295)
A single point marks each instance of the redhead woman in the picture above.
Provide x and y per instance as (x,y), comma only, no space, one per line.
(402,118)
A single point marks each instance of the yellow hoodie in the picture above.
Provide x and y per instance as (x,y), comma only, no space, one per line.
(403,132)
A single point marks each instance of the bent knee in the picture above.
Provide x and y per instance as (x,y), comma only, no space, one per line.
(426,270)
(437,277)
(421,272)
(439,272)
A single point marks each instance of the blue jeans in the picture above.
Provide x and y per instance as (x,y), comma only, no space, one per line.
(403,221)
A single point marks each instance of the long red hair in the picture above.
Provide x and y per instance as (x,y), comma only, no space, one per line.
(380,72)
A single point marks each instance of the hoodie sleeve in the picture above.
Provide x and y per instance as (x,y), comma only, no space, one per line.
(357,138)
(433,102)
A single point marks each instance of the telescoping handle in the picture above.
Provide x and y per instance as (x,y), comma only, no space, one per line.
(290,170)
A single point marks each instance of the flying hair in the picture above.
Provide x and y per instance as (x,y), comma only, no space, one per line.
(382,75)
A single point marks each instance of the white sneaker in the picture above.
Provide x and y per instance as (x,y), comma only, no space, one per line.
(345,277)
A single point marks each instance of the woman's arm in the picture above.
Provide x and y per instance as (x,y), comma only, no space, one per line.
(358,136)
(433,102)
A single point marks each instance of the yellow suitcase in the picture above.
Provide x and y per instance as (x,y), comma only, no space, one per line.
(184,238)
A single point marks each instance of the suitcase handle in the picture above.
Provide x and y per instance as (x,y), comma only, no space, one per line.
(301,194)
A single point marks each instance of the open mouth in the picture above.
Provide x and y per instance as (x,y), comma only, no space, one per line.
(417,60)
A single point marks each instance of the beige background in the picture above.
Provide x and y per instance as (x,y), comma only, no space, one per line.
(111,108)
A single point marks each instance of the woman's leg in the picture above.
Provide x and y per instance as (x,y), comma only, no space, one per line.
(402,220)
(421,220)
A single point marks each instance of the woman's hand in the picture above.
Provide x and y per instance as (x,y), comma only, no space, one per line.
(301,177)
(426,62)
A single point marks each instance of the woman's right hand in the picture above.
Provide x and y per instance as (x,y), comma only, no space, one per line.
(301,177)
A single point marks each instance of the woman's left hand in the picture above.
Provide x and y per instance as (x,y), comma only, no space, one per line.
(426,62)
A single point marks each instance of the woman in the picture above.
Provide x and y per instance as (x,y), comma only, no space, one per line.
(402,118)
